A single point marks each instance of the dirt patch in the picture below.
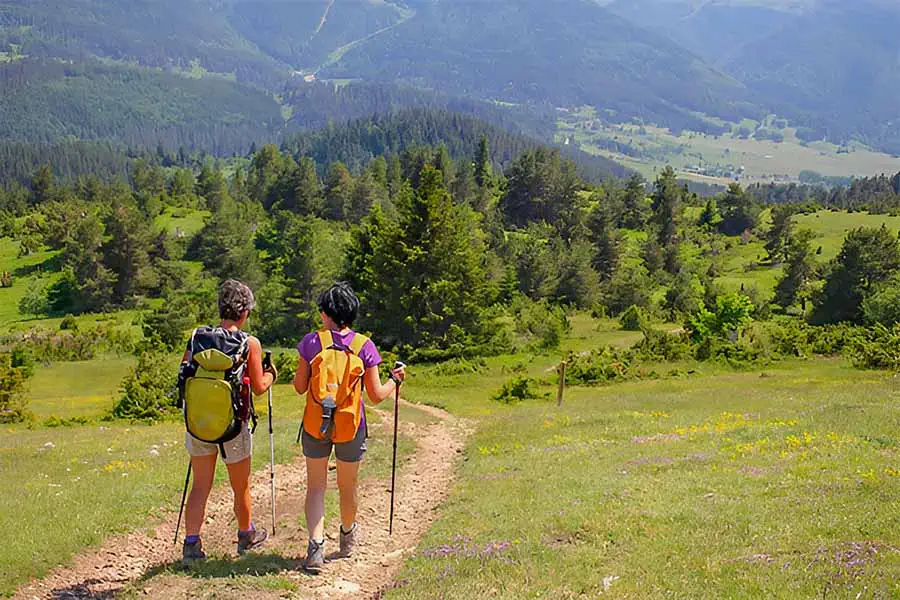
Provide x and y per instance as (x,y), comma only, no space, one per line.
(144,564)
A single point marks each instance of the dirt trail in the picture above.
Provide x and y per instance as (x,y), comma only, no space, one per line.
(143,562)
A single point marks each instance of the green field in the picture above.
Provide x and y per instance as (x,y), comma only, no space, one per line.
(727,486)
(717,159)
(773,482)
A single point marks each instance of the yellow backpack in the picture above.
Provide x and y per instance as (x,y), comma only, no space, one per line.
(214,397)
(334,398)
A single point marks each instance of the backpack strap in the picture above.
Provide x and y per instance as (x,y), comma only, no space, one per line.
(357,343)
(325,339)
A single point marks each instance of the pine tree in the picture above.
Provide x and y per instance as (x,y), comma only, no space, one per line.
(484,171)
(868,257)
(779,235)
(636,208)
(666,206)
(424,278)
(739,211)
(127,252)
(338,192)
(602,235)
(799,271)
(710,218)
(304,193)
(43,185)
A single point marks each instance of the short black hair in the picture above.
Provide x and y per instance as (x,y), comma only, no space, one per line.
(234,298)
(340,303)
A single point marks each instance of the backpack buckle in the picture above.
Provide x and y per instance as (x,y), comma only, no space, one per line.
(328,407)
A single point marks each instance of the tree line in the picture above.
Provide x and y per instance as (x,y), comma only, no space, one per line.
(436,244)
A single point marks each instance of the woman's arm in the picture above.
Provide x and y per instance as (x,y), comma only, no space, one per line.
(260,380)
(378,391)
(301,379)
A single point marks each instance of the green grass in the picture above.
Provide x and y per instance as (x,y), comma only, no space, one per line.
(182,219)
(733,486)
(23,269)
(831,228)
(77,389)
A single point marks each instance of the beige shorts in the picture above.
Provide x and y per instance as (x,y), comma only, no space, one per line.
(238,449)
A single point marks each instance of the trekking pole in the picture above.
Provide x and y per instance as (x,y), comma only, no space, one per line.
(183,496)
(268,362)
(397,365)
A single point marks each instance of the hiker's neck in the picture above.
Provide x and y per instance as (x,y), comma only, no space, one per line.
(329,323)
(229,325)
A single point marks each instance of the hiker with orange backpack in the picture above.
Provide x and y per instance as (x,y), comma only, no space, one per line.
(335,364)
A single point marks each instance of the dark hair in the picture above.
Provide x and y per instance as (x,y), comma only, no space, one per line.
(234,298)
(340,303)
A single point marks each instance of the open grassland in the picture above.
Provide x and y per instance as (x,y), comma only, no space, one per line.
(23,270)
(762,160)
(726,486)
(831,227)
(743,264)
(765,483)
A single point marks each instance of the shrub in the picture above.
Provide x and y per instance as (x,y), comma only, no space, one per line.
(731,315)
(634,319)
(286,364)
(658,346)
(606,365)
(68,323)
(13,403)
(876,348)
(148,391)
(460,366)
(542,322)
(48,345)
(516,390)
(35,300)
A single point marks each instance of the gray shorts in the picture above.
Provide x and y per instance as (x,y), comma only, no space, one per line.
(350,452)
(238,449)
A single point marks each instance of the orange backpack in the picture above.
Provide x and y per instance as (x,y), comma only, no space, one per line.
(334,398)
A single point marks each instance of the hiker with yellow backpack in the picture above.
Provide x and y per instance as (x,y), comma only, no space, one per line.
(335,364)
(221,370)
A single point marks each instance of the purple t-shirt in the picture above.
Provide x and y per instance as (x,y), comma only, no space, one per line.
(310,346)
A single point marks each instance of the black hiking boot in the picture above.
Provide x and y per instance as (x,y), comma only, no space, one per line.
(315,557)
(251,539)
(192,553)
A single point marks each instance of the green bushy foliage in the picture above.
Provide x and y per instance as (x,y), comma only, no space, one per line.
(883,306)
(659,346)
(48,345)
(148,392)
(606,365)
(634,319)
(460,366)
(13,402)
(517,389)
(68,323)
(732,314)
(876,348)
(542,322)
(286,364)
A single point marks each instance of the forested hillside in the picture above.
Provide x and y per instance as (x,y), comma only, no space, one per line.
(222,74)
(567,52)
(715,31)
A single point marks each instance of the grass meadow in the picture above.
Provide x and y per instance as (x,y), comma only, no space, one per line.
(776,482)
